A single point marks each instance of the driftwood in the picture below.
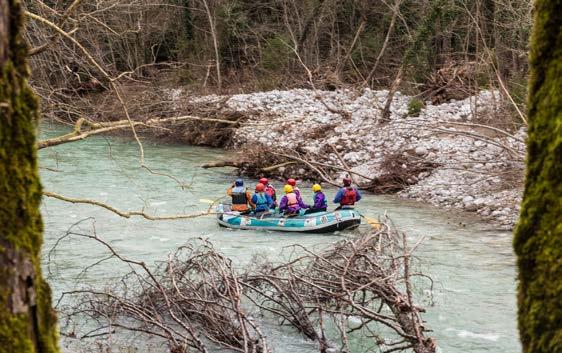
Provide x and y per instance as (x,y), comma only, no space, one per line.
(197,299)
(129,214)
(239,164)
(84,128)
(222,164)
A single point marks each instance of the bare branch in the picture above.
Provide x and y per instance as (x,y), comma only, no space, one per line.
(127,214)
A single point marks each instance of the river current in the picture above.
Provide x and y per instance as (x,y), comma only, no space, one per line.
(472,264)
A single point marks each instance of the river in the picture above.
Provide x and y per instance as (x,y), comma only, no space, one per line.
(471,263)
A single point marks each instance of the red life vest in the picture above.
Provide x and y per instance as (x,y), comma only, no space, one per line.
(349,196)
(270,190)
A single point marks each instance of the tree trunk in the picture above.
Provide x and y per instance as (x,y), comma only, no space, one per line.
(395,11)
(213,27)
(538,237)
(315,16)
(27,322)
(385,116)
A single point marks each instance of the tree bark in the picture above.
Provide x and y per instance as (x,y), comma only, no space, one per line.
(27,322)
(538,237)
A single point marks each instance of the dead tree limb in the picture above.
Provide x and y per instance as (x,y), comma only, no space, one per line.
(85,128)
(128,214)
(196,296)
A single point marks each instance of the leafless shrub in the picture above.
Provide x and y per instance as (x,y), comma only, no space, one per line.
(398,170)
(191,301)
(197,300)
(367,279)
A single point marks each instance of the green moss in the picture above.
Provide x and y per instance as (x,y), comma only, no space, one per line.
(31,326)
(10,334)
(538,237)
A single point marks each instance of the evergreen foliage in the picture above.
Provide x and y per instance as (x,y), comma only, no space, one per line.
(415,106)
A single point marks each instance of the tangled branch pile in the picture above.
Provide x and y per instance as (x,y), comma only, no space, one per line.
(398,171)
(197,301)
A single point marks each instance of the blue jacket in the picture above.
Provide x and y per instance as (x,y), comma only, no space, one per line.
(262,201)
(341,192)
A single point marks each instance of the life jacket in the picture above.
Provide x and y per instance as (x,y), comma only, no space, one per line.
(349,197)
(261,202)
(239,200)
(270,190)
(292,200)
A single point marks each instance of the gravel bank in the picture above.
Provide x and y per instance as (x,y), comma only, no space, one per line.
(475,167)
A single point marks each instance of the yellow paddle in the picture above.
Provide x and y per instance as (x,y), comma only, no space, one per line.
(207,201)
(372,222)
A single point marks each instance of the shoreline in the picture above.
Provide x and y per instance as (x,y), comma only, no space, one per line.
(448,155)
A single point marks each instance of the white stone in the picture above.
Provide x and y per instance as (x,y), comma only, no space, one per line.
(421,151)
(479,201)
(467,199)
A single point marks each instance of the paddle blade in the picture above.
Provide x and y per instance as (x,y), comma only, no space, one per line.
(373,223)
(207,201)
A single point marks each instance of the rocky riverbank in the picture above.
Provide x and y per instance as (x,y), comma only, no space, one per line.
(454,155)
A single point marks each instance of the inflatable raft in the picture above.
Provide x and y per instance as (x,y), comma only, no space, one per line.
(321,222)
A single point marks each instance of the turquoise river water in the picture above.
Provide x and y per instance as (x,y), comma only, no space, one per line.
(471,263)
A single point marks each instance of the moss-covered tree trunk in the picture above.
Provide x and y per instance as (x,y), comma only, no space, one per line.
(538,238)
(27,322)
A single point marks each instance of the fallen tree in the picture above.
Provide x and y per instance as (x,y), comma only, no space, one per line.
(197,301)
(262,160)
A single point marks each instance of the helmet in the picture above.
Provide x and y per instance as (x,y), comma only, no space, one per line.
(291,182)
(288,189)
(264,181)
(347,181)
(239,182)
(316,187)
(260,187)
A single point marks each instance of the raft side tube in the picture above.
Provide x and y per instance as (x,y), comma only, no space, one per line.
(321,222)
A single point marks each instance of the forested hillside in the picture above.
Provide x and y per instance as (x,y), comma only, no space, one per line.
(442,48)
